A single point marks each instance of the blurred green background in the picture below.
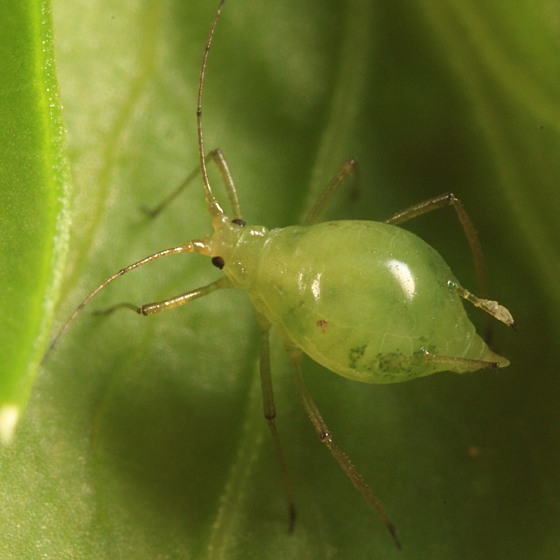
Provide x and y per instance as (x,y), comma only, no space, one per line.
(143,438)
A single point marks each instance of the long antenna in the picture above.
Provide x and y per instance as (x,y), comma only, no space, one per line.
(213,206)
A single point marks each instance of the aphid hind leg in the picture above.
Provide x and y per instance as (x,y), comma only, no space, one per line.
(350,166)
(325,436)
(449,199)
(218,158)
(270,414)
(164,305)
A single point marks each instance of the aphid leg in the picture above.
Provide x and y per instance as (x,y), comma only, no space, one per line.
(326,437)
(153,212)
(451,360)
(218,158)
(491,307)
(270,413)
(190,247)
(221,164)
(350,166)
(170,303)
(449,199)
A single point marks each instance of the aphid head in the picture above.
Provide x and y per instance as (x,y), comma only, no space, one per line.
(224,241)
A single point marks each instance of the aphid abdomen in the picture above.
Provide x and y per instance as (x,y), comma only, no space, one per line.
(365,299)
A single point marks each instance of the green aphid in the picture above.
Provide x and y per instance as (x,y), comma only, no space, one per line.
(367,300)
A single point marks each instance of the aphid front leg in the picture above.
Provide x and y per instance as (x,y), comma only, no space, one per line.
(164,305)
(325,436)
(218,158)
(270,413)
(350,166)
(195,246)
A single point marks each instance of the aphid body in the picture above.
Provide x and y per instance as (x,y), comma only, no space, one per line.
(367,300)
(388,298)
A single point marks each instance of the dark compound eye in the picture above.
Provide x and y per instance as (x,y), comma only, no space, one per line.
(218,262)
(239,222)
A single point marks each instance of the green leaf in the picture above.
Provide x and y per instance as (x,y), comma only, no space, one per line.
(34,194)
(144,436)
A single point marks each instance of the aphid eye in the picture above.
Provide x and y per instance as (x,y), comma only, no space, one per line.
(218,262)
(239,222)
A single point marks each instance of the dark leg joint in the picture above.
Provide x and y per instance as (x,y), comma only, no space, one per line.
(325,436)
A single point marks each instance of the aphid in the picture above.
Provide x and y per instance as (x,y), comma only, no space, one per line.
(380,307)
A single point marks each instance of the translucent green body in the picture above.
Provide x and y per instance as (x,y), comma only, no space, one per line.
(367,300)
